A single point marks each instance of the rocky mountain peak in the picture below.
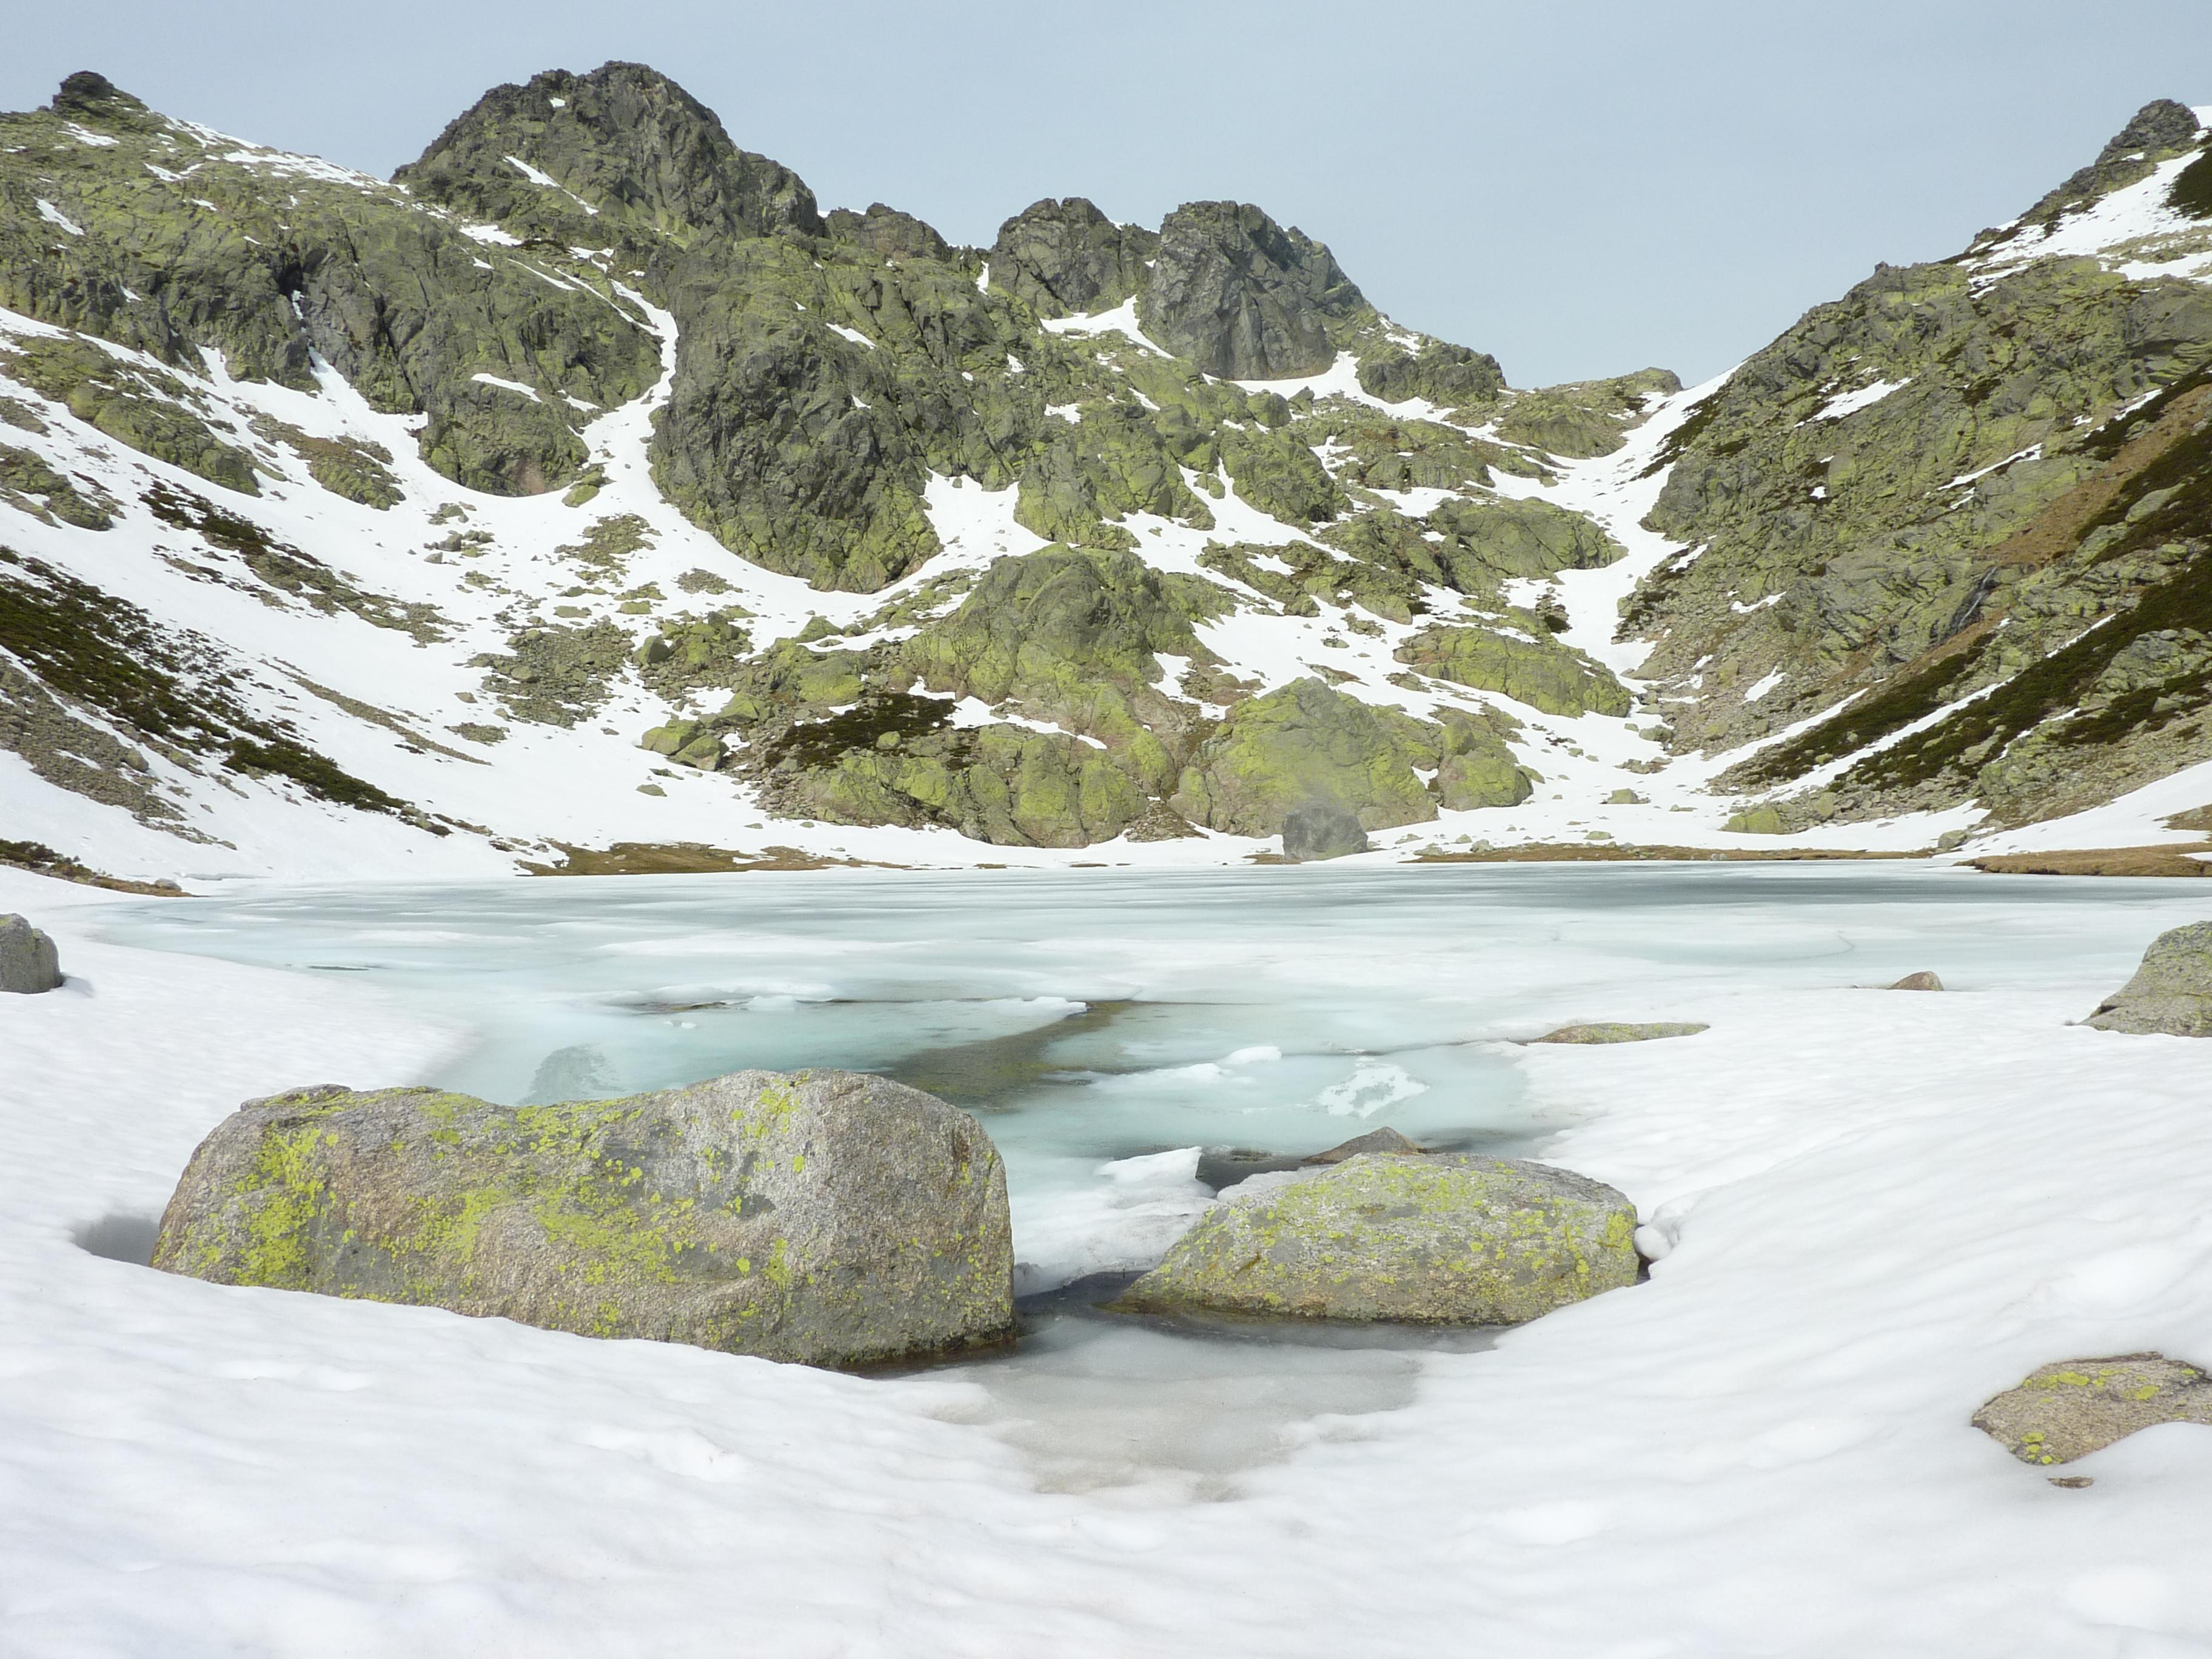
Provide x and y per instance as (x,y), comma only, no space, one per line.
(1065,256)
(1243,297)
(623,141)
(2160,130)
(85,96)
(889,233)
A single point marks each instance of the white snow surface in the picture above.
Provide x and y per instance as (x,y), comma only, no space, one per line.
(2134,231)
(1850,403)
(1875,1210)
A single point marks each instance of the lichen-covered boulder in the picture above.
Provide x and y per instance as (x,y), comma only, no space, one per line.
(2171,993)
(28,961)
(827,1218)
(1614,1031)
(1537,671)
(1321,830)
(1437,1239)
(1308,742)
(2070,1409)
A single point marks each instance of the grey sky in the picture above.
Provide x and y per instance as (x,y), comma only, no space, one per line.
(1580,186)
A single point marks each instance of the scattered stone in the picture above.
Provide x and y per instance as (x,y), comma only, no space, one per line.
(1322,832)
(2171,993)
(826,1217)
(2076,1407)
(1922,981)
(1160,822)
(1626,798)
(29,962)
(1756,821)
(1609,1032)
(1383,1142)
(1445,1239)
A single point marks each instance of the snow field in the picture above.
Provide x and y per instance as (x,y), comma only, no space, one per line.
(1877,1209)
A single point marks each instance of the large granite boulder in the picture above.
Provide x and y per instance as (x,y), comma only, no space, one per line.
(2171,993)
(2070,1409)
(1242,297)
(28,961)
(1321,830)
(827,1218)
(1440,1238)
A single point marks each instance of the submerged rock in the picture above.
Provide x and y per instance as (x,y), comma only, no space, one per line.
(1382,1142)
(827,1218)
(1322,832)
(2171,993)
(1443,1239)
(1922,981)
(29,962)
(1605,1032)
(2070,1409)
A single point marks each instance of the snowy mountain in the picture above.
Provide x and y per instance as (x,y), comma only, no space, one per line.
(589,488)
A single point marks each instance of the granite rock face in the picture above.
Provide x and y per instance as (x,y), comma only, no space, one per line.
(1066,257)
(827,1218)
(624,143)
(1242,297)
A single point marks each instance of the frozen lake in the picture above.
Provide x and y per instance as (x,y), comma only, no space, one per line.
(1133,1040)
(1872,1211)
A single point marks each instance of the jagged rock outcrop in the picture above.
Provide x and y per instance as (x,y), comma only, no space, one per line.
(1439,1238)
(827,1218)
(1242,297)
(2160,130)
(1067,257)
(885,233)
(1451,376)
(624,147)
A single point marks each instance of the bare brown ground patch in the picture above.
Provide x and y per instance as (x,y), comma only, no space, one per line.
(636,858)
(2100,861)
